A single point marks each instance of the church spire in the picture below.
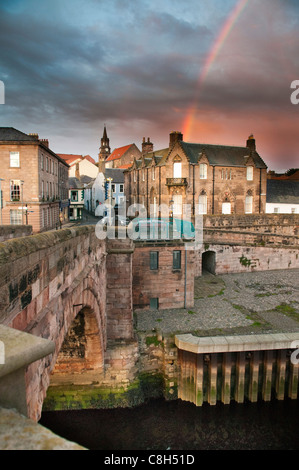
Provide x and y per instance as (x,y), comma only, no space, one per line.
(105,147)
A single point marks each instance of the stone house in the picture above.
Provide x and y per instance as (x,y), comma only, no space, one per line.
(34,181)
(123,157)
(211,179)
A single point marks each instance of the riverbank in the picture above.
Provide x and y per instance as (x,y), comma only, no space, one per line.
(244,303)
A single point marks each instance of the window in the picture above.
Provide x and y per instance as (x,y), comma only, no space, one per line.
(143,175)
(43,189)
(154,303)
(248,204)
(176,260)
(15,190)
(47,164)
(74,196)
(134,176)
(16,217)
(14,159)
(42,162)
(249,173)
(203,171)
(177,170)
(177,204)
(153,173)
(113,188)
(121,188)
(202,203)
(154,260)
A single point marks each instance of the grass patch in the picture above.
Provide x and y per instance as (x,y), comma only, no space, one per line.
(286,309)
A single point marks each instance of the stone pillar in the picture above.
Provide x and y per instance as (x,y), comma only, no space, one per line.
(199,380)
(281,375)
(293,381)
(240,378)
(254,375)
(119,289)
(226,378)
(213,380)
(267,379)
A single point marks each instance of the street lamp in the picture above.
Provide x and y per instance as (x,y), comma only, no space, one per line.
(1,179)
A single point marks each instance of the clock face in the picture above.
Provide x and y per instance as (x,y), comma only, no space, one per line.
(107,149)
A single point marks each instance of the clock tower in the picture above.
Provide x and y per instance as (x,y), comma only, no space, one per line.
(105,148)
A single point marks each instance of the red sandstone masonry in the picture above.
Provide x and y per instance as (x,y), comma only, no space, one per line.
(166,284)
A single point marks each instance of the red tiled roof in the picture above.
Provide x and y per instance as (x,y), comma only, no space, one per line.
(124,167)
(69,157)
(118,153)
(89,158)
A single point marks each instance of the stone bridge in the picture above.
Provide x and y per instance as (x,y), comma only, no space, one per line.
(78,292)
(47,280)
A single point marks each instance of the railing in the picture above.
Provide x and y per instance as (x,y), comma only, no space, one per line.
(176,182)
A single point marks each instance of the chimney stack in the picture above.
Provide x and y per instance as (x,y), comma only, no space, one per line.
(174,137)
(251,142)
(77,172)
(33,134)
(147,146)
(45,142)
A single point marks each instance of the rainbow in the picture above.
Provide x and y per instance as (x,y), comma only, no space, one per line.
(224,33)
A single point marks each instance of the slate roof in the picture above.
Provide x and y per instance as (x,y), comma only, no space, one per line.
(218,155)
(10,134)
(222,155)
(282,191)
(116,173)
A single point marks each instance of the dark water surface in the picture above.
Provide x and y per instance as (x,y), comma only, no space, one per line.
(178,425)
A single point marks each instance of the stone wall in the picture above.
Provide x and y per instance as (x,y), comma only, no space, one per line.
(45,280)
(237,258)
(283,224)
(8,232)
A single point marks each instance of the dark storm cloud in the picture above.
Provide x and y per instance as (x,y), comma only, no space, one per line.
(138,65)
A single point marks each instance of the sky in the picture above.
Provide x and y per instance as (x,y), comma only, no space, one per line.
(216,70)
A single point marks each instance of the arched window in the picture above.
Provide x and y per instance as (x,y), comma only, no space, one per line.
(248,203)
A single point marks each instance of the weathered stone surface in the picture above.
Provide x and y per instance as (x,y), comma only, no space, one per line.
(20,433)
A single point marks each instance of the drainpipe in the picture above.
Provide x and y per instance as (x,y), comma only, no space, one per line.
(185,292)
(213,204)
(260,201)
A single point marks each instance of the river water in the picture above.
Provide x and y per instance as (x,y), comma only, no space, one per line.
(178,425)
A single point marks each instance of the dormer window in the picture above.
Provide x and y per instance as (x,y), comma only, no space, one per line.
(203,171)
(249,173)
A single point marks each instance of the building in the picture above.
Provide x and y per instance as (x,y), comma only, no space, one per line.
(116,177)
(123,157)
(104,150)
(282,196)
(76,197)
(34,181)
(94,193)
(210,179)
(80,165)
